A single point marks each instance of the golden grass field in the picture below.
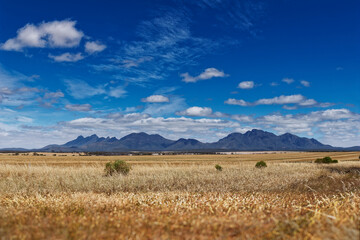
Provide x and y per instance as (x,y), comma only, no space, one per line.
(180,197)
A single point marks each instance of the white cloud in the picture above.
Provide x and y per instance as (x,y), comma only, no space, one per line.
(67,57)
(288,80)
(305,83)
(338,127)
(24,119)
(78,107)
(57,94)
(242,118)
(155,99)
(308,102)
(129,63)
(240,102)
(335,114)
(290,107)
(94,47)
(12,79)
(55,34)
(162,109)
(196,112)
(117,92)
(246,85)
(207,74)
(14,90)
(80,89)
(297,99)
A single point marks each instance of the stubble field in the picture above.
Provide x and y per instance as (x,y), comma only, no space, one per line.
(180,197)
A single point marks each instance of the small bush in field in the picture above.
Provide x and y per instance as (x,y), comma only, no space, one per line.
(218,167)
(261,164)
(117,167)
(326,160)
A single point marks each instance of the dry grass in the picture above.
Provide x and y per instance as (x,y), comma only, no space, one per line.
(180,197)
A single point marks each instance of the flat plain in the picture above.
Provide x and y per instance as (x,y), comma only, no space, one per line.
(68,196)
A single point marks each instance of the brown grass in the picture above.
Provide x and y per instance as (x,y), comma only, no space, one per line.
(180,197)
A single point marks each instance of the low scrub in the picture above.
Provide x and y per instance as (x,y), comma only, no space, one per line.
(117,167)
(326,160)
(218,167)
(261,164)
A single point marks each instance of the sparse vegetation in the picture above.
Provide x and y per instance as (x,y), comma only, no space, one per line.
(261,164)
(218,167)
(326,160)
(117,167)
(180,197)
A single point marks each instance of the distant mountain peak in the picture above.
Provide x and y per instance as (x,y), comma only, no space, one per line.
(255,132)
(253,140)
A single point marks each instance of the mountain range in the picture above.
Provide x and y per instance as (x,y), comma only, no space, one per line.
(254,140)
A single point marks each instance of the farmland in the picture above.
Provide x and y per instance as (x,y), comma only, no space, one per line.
(67,196)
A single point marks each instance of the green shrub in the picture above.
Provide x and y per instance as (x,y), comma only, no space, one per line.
(261,164)
(117,167)
(218,167)
(326,160)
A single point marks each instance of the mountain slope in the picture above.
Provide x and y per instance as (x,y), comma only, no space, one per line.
(254,140)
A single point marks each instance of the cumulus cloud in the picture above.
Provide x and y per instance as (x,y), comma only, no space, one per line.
(288,80)
(240,102)
(155,99)
(336,114)
(308,102)
(246,85)
(283,99)
(78,107)
(55,34)
(94,47)
(296,99)
(196,112)
(67,57)
(207,74)
(305,83)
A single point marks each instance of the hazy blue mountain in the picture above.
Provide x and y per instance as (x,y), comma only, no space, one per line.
(254,140)
(143,141)
(187,144)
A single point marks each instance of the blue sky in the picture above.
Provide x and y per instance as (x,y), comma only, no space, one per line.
(192,69)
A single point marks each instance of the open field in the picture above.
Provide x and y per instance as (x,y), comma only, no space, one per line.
(180,197)
(72,159)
